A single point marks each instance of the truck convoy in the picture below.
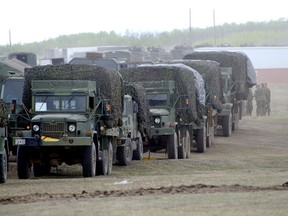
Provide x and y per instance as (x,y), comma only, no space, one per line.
(77,116)
(238,75)
(97,116)
(175,107)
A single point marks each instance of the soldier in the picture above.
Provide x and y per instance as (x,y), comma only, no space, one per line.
(261,100)
(256,99)
(249,105)
(268,96)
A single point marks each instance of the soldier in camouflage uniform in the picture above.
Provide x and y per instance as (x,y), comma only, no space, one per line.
(268,96)
(261,100)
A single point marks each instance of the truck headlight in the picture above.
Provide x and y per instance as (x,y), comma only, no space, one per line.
(36,128)
(157,120)
(71,128)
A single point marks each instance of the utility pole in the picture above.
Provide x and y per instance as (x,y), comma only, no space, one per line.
(190,29)
(10,42)
(214,27)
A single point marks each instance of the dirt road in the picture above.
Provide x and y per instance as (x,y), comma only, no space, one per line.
(245,174)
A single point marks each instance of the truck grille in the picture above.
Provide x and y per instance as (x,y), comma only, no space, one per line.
(54,130)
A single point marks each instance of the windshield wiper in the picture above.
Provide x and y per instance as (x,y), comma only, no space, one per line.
(43,103)
(68,102)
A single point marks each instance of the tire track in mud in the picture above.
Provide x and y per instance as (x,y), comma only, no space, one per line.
(183,189)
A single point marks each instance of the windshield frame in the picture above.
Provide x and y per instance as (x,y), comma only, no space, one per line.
(164,96)
(51,103)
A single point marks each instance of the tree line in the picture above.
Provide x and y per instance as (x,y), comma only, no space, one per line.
(272,33)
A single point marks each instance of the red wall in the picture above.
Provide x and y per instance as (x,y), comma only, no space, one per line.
(272,75)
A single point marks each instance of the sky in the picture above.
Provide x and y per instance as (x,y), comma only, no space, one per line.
(37,20)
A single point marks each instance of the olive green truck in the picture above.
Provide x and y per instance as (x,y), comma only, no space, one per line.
(75,121)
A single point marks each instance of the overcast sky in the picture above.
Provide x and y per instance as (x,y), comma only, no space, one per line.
(37,20)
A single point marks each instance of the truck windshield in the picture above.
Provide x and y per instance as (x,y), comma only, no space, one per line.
(52,103)
(12,89)
(157,99)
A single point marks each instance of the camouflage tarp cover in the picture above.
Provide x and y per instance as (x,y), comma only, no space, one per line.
(183,78)
(3,113)
(138,94)
(211,73)
(243,72)
(108,81)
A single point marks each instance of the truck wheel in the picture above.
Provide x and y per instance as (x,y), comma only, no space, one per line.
(201,140)
(103,164)
(138,152)
(110,158)
(212,135)
(124,153)
(210,138)
(3,166)
(182,148)
(172,146)
(227,125)
(89,161)
(23,166)
(188,144)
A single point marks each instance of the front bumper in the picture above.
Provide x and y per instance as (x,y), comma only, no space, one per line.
(46,141)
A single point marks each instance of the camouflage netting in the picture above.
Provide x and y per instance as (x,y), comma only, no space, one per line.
(184,83)
(108,81)
(3,113)
(243,72)
(138,94)
(211,73)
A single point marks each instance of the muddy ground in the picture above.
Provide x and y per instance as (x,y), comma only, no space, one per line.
(245,174)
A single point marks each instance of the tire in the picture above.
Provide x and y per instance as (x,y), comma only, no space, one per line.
(227,125)
(201,140)
(212,134)
(188,146)
(210,138)
(125,153)
(41,170)
(103,164)
(23,166)
(172,146)
(183,147)
(89,161)
(3,166)
(110,159)
(138,152)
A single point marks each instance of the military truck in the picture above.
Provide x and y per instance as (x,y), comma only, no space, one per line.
(171,93)
(11,89)
(11,92)
(111,63)
(4,147)
(74,120)
(211,73)
(238,75)
(136,123)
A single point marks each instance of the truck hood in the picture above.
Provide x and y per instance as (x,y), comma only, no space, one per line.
(60,117)
(160,111)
